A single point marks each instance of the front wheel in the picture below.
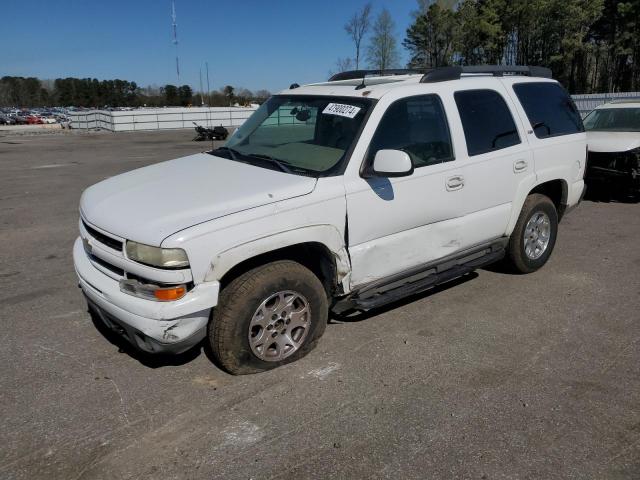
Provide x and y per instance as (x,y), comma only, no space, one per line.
(269,316)
(534,235)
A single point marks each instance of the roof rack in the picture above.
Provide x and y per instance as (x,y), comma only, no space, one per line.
(354,74)
(442,74)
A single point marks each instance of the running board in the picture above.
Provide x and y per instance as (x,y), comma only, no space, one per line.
(417,280)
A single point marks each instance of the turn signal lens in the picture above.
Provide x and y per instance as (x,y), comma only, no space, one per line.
(151,291)
(168,294)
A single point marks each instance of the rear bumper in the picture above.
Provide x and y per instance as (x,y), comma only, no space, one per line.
(155,327)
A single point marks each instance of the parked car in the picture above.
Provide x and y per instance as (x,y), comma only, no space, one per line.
(372,189)
(613,138)
(34,120)
(48,119)
(7,120)
(21,120)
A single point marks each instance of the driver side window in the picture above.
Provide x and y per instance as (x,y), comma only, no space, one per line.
(418,126)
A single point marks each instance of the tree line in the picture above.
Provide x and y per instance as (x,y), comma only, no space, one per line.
(590,45)
(94,93)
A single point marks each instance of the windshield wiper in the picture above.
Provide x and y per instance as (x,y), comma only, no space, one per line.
(232,152)
(242,157)
(281,164)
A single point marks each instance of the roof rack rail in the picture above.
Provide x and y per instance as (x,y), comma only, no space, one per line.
(354,74)
(443,74)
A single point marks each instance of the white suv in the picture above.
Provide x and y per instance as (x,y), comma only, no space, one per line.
(333,197)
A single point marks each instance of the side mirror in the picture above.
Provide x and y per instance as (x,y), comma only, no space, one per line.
(392,163)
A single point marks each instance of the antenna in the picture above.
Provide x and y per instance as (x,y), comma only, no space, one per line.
(175,36)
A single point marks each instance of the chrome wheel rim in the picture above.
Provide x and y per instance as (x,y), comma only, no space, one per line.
(537,234)
(279,326)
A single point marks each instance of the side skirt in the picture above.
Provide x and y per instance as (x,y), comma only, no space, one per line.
(419,279)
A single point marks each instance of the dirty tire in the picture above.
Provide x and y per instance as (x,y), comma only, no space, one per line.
(229,326)
(516,258)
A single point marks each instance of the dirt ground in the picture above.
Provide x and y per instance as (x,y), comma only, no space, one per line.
(495,376)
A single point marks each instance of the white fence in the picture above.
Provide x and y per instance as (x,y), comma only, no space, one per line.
(174,118)
(160,118)
(586,103)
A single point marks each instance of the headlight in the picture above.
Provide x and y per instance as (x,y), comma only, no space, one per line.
(157,257)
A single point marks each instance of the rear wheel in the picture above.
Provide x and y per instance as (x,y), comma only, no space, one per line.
(534,235)
(271,315)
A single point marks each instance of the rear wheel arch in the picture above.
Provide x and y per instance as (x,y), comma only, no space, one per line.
(557,191)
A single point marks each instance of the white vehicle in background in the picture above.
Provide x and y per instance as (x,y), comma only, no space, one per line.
(48,119)
(336,197)
(613,139)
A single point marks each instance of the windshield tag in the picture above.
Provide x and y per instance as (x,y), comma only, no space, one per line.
(341,109)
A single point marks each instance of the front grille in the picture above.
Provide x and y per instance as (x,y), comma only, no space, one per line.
(102,238)
(117,270)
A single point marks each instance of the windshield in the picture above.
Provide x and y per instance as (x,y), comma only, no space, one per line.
(614,119)
(298,134)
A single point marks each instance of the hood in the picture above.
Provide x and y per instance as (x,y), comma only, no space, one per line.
(151,203)
(612,141)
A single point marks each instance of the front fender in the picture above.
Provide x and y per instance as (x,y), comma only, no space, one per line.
(327,235)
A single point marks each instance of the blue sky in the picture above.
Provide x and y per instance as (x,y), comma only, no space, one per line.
(248,43)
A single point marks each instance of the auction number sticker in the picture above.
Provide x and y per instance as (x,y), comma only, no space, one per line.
(341,109)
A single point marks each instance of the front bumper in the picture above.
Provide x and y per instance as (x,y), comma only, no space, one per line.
(616,180)
(154,327)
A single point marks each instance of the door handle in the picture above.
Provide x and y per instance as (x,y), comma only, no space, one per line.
(455,183)
(520,166)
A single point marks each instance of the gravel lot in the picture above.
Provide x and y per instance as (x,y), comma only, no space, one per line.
(498,376)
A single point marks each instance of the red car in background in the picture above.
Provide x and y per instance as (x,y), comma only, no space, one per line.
(34,120)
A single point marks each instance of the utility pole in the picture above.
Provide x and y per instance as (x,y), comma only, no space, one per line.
(201,91)
(175,37)
(208,87)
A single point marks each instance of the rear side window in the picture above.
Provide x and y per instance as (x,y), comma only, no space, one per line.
(487,122)
(418,126)
(550,109)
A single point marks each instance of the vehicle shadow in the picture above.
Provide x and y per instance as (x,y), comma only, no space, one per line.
(361,316)
(151,360)
(154,361)
(604,194)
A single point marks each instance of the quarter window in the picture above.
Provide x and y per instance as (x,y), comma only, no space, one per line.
(418,126)
(550,109)
(487,122)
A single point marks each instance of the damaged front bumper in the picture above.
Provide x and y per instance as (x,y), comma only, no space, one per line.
(618,180)
(618,172)
(154,327)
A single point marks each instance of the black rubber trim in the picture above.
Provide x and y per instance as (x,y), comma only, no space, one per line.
(421,278)
(102,238)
